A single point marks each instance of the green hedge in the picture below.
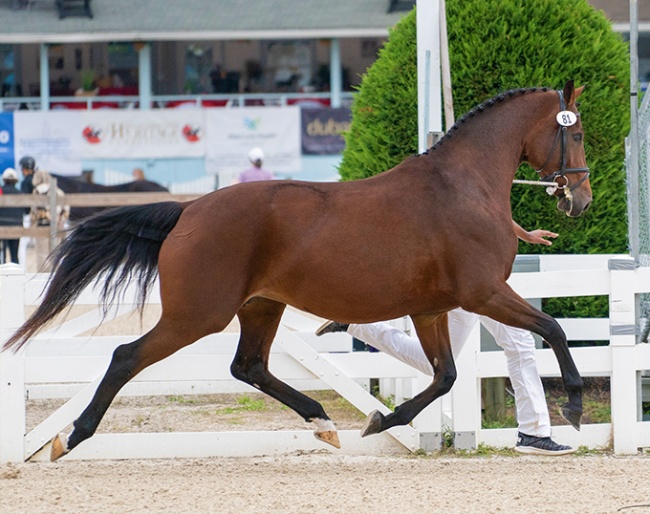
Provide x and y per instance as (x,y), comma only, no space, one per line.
(496,45)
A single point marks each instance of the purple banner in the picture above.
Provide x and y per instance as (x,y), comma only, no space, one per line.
(321,130)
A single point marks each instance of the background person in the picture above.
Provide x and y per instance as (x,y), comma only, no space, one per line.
(10,216)
(27,167)
(138,174)
(256,172)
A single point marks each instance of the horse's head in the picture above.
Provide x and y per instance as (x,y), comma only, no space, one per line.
(557,152)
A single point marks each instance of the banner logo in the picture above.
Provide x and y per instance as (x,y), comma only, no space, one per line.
(92,135)
(191,133)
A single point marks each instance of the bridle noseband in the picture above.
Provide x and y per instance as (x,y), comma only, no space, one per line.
(562,131)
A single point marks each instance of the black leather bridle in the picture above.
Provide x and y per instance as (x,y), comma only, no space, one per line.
(561,136)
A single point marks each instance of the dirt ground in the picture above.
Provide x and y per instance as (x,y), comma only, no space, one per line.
(311,481)
(327,483)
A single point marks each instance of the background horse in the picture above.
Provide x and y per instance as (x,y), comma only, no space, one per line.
(73,185)
(432,234)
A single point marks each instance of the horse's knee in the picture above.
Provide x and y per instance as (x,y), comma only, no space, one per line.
(254,375)
(448,378)
(552,332)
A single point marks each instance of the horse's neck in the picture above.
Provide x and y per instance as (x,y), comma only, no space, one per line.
(491,142)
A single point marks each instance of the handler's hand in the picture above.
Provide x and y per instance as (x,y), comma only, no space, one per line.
(538,237)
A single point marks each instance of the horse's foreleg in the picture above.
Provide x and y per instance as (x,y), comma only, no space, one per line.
(259,319)
(433,333)
(509,308)
(127,361)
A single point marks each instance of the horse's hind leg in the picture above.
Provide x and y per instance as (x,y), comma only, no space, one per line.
(259,319)
(433,333)
(127,361)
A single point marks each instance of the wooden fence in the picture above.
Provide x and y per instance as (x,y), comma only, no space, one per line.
(52,201)
(62,363)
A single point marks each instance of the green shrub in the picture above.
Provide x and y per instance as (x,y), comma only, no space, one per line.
(496,45)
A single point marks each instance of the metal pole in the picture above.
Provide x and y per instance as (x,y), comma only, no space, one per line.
(144,75)
(446,71)
(54,217)
(44,77)
(634,210)
(428,63)
(336,76)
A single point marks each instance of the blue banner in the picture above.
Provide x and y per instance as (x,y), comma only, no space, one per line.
(7,158)
(321,130)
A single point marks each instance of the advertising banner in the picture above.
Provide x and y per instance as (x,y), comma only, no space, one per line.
(7,158)
(233,132)
(143,134)
(322,128)
(51,138)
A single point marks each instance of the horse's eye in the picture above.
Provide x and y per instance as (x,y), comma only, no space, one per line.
(577,137)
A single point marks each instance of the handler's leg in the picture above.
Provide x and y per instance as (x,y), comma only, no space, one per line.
(530,401)
(407,349)
(394,342)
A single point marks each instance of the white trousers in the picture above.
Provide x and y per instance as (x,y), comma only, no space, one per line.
(518,346)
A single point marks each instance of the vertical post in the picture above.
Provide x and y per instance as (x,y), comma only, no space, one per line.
(12,365)
(428,64)
(44,77)
(445,69)
(428,423)
(624,381)
(466,394)
(144,75)
(633,163)
(54,213)
(336,76)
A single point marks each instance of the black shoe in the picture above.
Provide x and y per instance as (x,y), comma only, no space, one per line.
(540,446)
(332,326)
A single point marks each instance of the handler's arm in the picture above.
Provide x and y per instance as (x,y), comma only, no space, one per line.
(534,236)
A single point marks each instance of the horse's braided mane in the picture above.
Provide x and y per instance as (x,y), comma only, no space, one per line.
(480,108)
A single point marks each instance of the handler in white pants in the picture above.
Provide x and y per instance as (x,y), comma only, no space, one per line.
(519,348)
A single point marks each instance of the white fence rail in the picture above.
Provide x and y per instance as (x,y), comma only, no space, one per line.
(61,363)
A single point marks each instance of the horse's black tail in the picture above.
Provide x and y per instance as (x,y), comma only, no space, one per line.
(117,245)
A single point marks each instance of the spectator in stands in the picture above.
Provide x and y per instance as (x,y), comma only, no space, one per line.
(138,174)
(256,172)
(27,166)
(10,216)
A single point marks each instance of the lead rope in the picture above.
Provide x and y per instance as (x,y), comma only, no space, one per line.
(550,188)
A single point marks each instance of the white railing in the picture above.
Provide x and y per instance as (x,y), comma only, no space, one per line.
(61,363)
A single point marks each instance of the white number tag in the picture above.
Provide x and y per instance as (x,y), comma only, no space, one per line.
(566,118)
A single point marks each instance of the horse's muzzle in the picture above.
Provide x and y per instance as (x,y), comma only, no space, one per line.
(573,206)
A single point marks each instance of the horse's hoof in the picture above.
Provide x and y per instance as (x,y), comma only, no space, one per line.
(59,447)
(373,423)
(571,415)
(329,437)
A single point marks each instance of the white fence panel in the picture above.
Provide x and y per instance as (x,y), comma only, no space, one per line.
(61,363)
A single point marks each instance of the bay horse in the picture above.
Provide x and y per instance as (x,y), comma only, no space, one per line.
(73,185)
(432,234)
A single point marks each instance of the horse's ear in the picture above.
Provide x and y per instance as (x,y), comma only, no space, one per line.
(571,94)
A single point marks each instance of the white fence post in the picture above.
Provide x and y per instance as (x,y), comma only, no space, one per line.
(624,381)
(466,394)
(12,365)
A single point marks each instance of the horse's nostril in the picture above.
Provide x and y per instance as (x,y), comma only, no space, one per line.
(586,207)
